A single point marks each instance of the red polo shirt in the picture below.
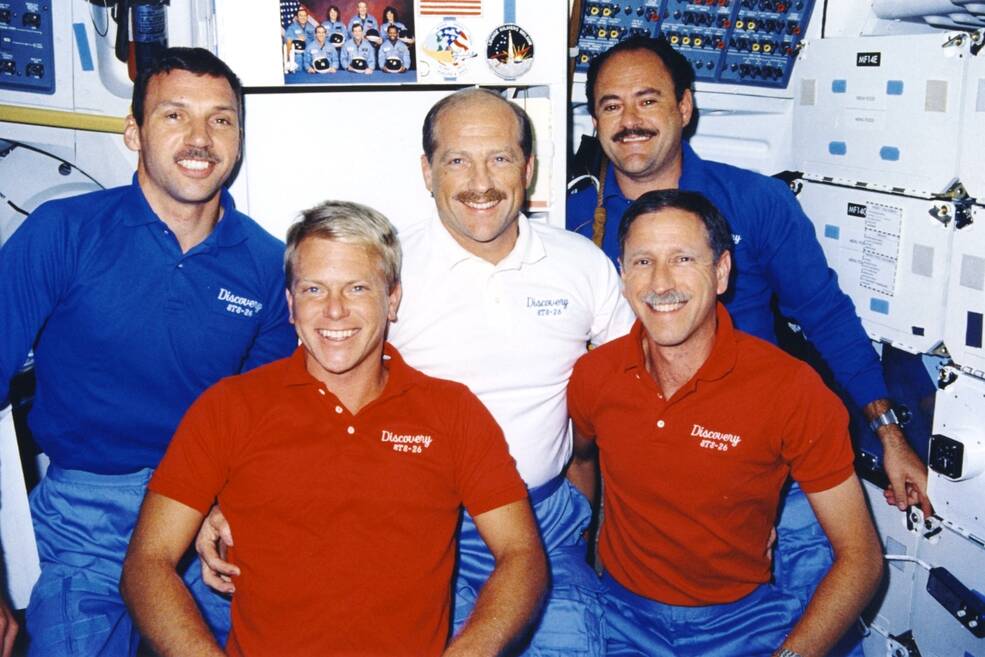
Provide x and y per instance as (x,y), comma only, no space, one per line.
(344,524)
(692,483)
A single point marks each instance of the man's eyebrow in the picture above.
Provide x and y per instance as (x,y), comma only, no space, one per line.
(645,91)
(167,104)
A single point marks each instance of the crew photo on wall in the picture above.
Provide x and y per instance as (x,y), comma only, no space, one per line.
(348,41)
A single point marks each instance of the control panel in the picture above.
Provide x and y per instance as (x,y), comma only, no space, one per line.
(26,46)
(745,42)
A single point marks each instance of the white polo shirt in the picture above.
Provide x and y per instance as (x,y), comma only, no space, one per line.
(511,332)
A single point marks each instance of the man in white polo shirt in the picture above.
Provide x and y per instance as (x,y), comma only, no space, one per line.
(506,305)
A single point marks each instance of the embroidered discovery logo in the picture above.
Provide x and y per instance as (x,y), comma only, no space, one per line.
(239,305)
(405,442)
(715,439)
(548,307)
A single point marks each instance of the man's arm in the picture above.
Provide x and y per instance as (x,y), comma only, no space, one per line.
(808,291)
(8,629)
(157,598)
(907,473)
(583,468)
(513,593)
(857,569)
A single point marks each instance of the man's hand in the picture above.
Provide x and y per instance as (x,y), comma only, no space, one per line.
(8,630)
(907,474)
(214,538)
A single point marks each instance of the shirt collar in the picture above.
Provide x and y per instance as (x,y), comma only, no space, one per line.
(690,174)
(228,232)
(400,378)
(720,361)
(529,248)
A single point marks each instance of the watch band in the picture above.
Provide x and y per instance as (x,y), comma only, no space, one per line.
(787,652)
(889,417)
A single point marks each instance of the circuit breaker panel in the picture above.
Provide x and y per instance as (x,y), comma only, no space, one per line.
(26,47)
(745,42)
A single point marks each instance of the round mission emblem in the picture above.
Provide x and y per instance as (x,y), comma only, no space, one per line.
(509,51)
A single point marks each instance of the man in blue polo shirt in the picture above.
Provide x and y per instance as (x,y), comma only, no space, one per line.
(639,95)
(135,300)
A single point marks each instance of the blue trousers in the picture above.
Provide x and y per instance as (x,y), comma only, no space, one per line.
(83,523)
(753,626)
(571,623)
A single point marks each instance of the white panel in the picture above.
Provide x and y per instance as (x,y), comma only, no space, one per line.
(870,123)
(966,297)
(959,415)
(972,143)
(891,255)
(937,633)
(890,612)
(20,551)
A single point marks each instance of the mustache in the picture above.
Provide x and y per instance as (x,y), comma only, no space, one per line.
(488,196)
(653,299)
(193,153)
(633,132)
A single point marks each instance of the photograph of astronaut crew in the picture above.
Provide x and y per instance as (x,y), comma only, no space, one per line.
(348,41)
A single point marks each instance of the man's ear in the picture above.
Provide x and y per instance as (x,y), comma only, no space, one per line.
(290,306)
(426,171)
(722,270)
(131,134)
(686,107)
(394,302)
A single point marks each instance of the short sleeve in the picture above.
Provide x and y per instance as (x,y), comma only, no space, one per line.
(485,473)
(815,440)
(196,465)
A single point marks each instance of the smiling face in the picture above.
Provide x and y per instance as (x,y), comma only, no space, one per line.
(478,175)
(340,306)
(361,9)
(671,278)
(357,33)
(639,120)
(302,17)
(189,141)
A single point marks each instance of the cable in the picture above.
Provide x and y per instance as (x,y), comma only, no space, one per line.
(15,206)
(92,19)
(19,144)
(904,557)
(578,179)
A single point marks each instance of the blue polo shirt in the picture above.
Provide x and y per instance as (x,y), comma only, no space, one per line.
(126,329)
(776,252)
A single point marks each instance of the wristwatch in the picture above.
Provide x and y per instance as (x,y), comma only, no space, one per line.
(787,652)
(897,414)
(884,419)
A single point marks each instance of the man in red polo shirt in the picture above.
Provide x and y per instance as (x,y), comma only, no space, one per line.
(697,426)
(357,462)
